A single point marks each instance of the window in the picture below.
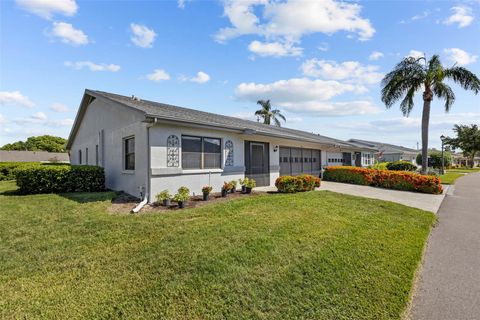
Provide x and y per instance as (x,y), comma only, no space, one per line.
(79,156)
(86,155)
(96,155)
(201,153)
(129,153)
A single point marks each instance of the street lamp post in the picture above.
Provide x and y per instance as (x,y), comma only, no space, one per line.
(442,137)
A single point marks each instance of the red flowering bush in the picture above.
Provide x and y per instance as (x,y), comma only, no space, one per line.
(398,180)
(291,184)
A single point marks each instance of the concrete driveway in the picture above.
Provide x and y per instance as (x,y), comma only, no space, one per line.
(428,202)
(449,282)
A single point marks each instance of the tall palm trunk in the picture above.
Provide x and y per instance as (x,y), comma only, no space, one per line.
(427,99)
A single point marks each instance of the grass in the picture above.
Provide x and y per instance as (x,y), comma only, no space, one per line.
(450,177)
(315,255)
(453,174)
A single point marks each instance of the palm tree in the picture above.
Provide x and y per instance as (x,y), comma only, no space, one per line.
(268,114)
(414,74)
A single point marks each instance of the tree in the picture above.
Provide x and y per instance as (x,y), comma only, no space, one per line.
(412,75)
(40,143)
(468,139)
(435,159)
(268,114)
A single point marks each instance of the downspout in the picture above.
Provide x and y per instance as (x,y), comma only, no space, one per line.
(148,182)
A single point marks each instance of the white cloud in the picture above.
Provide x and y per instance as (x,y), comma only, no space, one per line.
(322,108)
(39,116)
(462,15)
(142,35)
(181,4)
(375,55)
(41,119)
(305,95)
(59,107)
(15,98)
(47,8)
(201,77)
(289,21)
(421,16)
(275,49)
(78,65)
(323,47)
(297,89)
(68,34)
(158,75)
(459,56)
(415,54)
(351,71)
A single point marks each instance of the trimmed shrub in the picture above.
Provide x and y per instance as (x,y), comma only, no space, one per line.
(7,169)
(398,180)
(401,166)
(59,179)
(379,166)
(292,184)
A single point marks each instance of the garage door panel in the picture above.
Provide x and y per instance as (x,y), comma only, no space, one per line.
(297,161)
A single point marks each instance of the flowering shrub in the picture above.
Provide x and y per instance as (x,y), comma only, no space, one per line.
(207,189)
(291,184)
(398,180)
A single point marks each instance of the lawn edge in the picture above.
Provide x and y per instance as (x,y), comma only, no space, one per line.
(407,312)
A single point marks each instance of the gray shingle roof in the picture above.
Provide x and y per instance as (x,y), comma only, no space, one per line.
(180,114)
(33,156)
(385,147)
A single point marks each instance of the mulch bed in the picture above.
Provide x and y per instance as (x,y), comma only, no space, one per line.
(124,203)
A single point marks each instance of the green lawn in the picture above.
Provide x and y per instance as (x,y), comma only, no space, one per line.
(450,177)
(315,255)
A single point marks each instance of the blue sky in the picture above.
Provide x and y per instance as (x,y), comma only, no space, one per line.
(320,62)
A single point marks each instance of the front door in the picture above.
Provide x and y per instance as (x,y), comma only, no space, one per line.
(257,162)
(358,159)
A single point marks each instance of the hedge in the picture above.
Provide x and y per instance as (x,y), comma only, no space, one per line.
(292,184)
(7,169)
(401,166)
(59,179)
(398,180)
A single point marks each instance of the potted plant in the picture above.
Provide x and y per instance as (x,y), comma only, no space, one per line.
(206,191)
(164,197)
(225,188)
(250,185)
(243,182)
(182,196)
(233,185)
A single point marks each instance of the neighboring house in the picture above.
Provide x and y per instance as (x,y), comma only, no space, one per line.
(389,152)
(458,159)
(146,147)
(33,156)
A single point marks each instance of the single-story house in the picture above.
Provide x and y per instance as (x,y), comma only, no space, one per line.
(458,159)
(389,152)
(33,156)
(146,147)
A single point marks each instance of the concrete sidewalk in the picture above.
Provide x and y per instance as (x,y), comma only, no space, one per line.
(449,282)
(428,202)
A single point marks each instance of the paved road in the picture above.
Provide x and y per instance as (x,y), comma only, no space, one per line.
(449,284)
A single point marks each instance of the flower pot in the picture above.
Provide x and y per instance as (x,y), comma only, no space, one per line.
(205,196)
(248,190)
(224,193)
(243,189)
(181,204)
(166,202)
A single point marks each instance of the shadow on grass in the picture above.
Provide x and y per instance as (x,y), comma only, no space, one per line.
(80,197)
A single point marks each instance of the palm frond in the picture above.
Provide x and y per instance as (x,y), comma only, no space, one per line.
(465,78)
(407,74)
(444,91)
(407,103)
